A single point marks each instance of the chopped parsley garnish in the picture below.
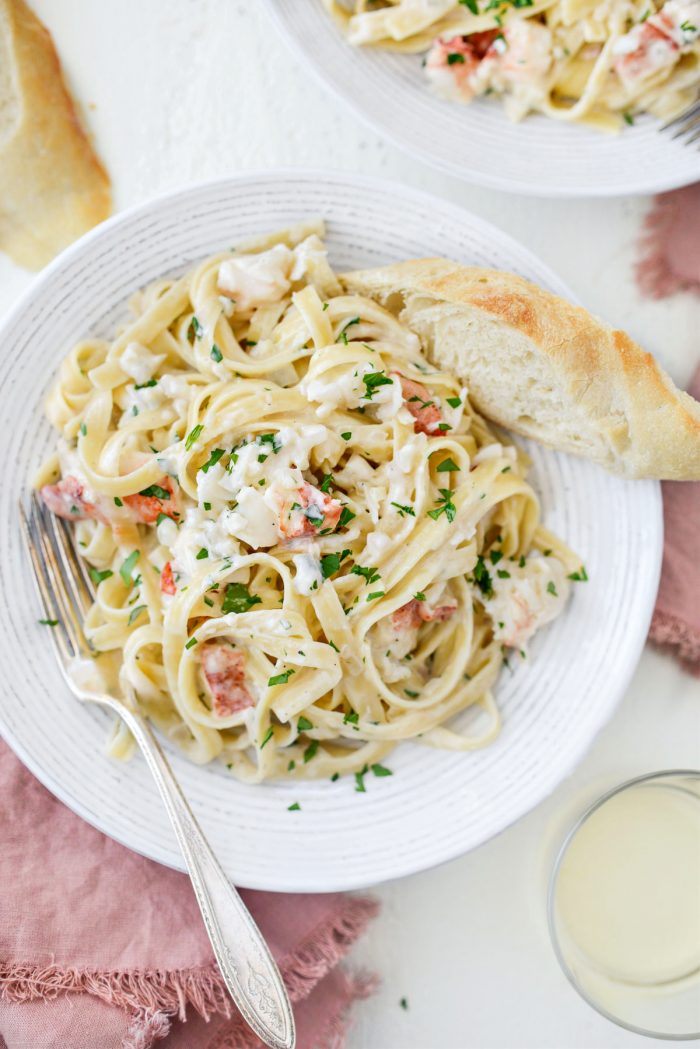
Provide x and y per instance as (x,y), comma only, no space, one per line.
(49,622)
(373,381)
(155,491)
(216,354)
(346,517)
(193,435)
(291,766)
(472,5)
(551,589)
(145,385)
(381,770)
(627,117)
(195,329)
(266,738)
(410,694)
(342,337)
(360,780)
(454,402)
(127,569)
(208,602)
(330,563)
(325,485)
(482,577)
(97,576)
(447,466)
(117,501)
(303,724)
(162,517)
(335,776)
(455,57)
(444,506)
(238,598)
(281,679)
(496,556)
(207,506)
(202,554)
(401,509)
(351,718)
(296,807)
(213,459)
(375,595)
(404,1001)
(135,613)
(347,435)
(419,596)
(83,429)
(581,576)
(502,574)
(369,574)
(310,751)
(270,438)
(192,641)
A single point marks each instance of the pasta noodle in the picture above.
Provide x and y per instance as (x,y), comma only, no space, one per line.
(598,62)
(306,544)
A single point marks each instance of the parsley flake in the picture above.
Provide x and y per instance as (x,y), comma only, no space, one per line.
(281,679)
(127,569)
(135,613)
(381,770)
(97,576)
(238,598)
(447,466)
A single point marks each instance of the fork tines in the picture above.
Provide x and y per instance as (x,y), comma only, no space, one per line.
(687,124)
(64,585)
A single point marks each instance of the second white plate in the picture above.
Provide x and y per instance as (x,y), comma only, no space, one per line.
(436,805)
(477,142)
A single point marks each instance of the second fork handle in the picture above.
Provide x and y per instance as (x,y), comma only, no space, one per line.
(249,970)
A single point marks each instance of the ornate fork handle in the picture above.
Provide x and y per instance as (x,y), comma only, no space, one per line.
(248,968)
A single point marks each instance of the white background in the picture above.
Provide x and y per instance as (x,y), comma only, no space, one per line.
(180,90)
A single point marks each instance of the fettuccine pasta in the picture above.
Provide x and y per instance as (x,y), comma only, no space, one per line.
(598,62)
(306,544)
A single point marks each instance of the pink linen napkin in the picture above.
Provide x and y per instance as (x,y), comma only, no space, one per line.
(670,244)
(103,949)
(676,621)
(670,262)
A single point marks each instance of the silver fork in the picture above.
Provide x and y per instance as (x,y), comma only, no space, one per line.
(249,971)
(686,124)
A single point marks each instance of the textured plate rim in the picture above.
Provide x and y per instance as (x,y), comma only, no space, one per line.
(467,174)
(623,672)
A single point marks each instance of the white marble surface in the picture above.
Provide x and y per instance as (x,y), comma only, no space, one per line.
(180,90)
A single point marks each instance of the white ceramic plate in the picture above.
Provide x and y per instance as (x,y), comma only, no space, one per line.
(436,805)
(477,142)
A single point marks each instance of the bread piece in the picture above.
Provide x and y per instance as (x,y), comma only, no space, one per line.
(544,368)
(52,186)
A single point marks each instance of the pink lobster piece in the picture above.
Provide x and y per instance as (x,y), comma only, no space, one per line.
(224,672)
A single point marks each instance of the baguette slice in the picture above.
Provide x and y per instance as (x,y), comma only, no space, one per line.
(52,186)
(542,367)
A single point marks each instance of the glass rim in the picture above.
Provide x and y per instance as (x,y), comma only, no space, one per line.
(551,889)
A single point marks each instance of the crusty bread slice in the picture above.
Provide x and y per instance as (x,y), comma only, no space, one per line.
(52,186)
(542,367)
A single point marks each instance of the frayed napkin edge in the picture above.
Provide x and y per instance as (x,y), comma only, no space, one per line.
(153,997)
